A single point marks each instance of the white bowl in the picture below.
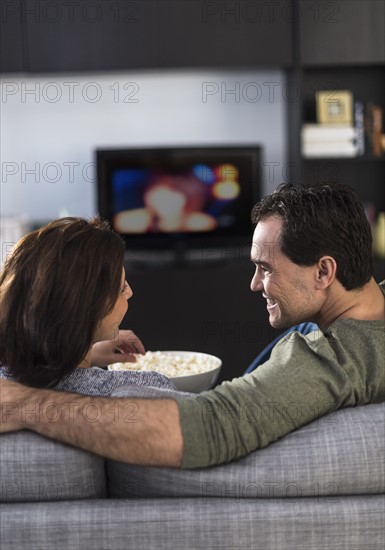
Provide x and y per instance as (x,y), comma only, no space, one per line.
(194,383)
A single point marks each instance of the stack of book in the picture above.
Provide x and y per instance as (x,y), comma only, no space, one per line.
(329,140)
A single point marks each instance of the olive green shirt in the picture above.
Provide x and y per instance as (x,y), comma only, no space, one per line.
(306,377)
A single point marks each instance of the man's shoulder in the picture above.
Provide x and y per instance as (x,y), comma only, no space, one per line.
(297,346)
(344,334)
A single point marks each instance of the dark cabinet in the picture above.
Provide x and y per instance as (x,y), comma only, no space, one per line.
(11,37)
(342,32)
(225,34)
(89,36)
(117,34)
(363,174)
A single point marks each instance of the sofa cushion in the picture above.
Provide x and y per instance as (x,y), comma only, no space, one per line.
(348,523)
(34,468)
(339,454)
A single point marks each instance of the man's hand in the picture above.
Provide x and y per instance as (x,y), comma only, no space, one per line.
(118,350)
(12,401)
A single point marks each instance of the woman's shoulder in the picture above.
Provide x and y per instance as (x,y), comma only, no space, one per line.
(4,372)
(100,382)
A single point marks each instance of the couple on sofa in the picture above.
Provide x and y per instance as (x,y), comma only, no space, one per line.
(64,294)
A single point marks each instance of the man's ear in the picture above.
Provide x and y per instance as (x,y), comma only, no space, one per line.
(326,272)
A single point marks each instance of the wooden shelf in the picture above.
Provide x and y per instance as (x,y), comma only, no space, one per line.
(362,158)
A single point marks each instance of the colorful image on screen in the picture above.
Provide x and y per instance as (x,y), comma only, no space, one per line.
(193,198)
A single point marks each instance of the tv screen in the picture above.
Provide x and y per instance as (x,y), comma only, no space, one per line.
(190,196)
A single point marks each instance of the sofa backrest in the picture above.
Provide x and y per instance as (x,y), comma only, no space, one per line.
(33,468)
(342,453)
(338,454)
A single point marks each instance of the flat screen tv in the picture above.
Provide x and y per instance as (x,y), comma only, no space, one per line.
(179,197)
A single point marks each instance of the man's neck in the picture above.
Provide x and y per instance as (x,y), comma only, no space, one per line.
(365,304)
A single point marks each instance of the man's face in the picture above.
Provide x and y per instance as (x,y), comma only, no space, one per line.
(288,288)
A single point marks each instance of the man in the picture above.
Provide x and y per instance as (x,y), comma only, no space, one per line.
(312,254)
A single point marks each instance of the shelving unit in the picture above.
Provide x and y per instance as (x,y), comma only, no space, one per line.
(331,54)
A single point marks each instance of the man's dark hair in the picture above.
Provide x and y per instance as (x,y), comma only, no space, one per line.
(55,288)
(322,220)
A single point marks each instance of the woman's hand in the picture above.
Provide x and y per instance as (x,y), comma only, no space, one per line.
(118,350)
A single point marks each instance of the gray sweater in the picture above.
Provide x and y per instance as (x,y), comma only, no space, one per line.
(306,377)
(99,382)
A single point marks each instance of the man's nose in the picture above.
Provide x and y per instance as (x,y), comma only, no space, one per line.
(256,282)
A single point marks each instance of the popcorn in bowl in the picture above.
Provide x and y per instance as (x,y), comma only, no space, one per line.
(190,371)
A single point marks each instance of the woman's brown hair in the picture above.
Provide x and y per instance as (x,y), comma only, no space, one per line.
(55,288)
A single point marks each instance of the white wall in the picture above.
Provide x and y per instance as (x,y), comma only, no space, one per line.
(51,125)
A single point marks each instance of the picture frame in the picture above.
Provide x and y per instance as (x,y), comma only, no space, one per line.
(334,107)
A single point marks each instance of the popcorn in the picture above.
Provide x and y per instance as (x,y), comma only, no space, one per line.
(171,364)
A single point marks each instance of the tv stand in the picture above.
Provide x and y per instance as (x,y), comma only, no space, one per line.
(183,257)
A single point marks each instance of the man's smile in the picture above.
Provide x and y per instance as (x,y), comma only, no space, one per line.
(270,303)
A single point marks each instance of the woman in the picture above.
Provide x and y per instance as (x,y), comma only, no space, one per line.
(63,295)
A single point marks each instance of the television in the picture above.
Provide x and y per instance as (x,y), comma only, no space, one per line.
(179,197)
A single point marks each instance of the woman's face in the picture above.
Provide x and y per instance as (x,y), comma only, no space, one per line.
(109,326)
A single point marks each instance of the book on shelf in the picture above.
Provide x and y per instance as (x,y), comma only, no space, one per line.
(329,140)
(359,127)
(327,132)
(373,129)
(331,149)
(377,130)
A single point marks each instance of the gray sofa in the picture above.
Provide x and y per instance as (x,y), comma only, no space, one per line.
(320,487)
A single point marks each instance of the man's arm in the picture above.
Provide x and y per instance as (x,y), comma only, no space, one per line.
(136,431)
